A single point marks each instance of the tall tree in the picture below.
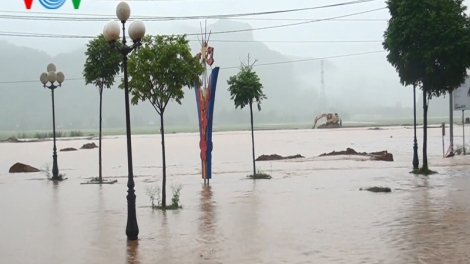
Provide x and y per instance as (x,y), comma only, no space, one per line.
(428,42)
(159,71)
(101,67)
(245,89)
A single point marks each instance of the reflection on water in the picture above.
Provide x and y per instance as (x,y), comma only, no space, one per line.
(207,224)
(310,212)
(133,252)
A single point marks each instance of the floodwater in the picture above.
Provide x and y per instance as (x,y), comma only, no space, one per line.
(310,212)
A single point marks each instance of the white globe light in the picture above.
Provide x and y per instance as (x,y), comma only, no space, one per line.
(113,31)
(60,77)
(104,32)
(52,76)
(51,67)
(123,11)
(137,30)
(44,78)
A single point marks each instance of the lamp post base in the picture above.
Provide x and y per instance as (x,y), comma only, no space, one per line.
(55,167)
(415,155)
(132,228)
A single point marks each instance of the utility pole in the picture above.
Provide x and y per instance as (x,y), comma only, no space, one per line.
(322,95)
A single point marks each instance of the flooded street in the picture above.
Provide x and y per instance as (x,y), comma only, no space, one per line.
(310,212)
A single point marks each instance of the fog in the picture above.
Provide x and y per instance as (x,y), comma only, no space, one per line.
(359,83)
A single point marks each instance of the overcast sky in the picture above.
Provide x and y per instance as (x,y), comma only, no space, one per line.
(363,27)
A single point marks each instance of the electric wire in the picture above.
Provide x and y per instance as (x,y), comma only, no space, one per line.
(39,35)
(102,17)
(232,67)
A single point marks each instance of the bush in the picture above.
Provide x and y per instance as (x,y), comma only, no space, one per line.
(76,133)
(22,135)
(460,149)
(45,135)
(153,192)
(48,172)
(259,175)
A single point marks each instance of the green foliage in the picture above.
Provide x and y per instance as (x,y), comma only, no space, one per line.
(153,192)
(44,135)
(102,63)
(46,170)
(76,133)
(160,69)
(428,42)
(22,135)
(423,171)
(246,88)
(260,175)
(462,150)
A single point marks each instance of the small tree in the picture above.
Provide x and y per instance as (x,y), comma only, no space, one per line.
(245,89)
(159,71)
(101,67)
(428,42)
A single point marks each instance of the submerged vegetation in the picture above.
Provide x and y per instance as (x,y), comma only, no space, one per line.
(50,134)
(46,170)
(153,192)
(259,175)
(377,189)
(462,150)
(423,171)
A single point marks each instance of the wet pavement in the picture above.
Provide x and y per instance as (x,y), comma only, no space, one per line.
(310,212)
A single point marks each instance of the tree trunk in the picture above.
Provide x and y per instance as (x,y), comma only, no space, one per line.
(162,132)
(425,130)
(252,139)
(100,177)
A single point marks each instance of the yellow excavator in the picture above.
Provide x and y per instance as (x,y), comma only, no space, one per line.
(332,121)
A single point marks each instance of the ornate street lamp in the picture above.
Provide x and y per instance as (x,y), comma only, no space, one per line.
(52,77)
(111,33)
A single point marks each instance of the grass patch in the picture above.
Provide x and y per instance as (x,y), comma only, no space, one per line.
(44,135)
(259,176)
(153,192)
(47,171)
(423,171)
(462,150)
(76,133)
(377,189)
(225,127)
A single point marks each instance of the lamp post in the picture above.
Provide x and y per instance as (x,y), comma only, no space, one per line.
(52,77)
(415,144)
(111,33)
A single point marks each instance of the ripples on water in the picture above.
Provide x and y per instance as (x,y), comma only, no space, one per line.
(310,212)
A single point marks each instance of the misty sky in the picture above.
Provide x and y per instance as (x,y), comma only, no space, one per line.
(374,66)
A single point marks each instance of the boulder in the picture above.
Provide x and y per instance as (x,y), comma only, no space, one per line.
(91,145)
(378,155)
(68,149)
(22,168)
(277,157)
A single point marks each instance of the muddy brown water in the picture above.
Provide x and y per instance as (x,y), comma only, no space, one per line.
(310,212)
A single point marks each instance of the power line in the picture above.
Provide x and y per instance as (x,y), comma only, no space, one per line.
(67,19)
(39,35)
(13,34)
(101,17)
(235,67)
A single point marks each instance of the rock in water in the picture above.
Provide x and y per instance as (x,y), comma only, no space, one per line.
(69,149)
(22,168)
(378,155)
(277,157)
(89,146)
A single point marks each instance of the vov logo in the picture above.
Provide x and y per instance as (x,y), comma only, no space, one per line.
(51,4)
